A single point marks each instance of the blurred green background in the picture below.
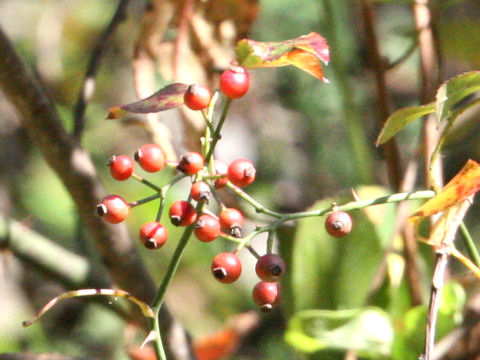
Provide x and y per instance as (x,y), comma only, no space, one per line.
(310,142)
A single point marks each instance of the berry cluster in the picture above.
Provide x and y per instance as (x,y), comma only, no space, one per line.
(207,175)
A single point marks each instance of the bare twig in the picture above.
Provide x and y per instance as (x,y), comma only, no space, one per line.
(379,66)
(88,85)
(429,72)
(391,149)
(437,285)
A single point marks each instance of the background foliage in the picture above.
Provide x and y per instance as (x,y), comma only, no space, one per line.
(311,142)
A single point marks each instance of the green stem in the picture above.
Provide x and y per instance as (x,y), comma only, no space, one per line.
(172,268)
(355,205)
(145,200)
(218,129)
(259,208)
(469,244)
(146,182)
(158,343)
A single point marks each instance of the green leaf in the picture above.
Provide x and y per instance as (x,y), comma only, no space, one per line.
(455,90)
(410,339)
(169,97)
(327,272)
(401,118)
(305,52)
(368,331)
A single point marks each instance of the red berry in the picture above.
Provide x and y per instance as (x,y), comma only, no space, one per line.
(113,208)
(241,172)
(231,221)
(266,295)
(190,163)
(220,169)
(197,97)
(200,191)
(270,267)
(338,223)
(207,228)
(150,157)
(121,167)
(153,235)
(182,213)
(235,82)
(226,267)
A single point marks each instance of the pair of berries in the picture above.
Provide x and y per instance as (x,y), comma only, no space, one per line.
(226,268)
(269,268)
(150,157)
(208,227)
(234,83)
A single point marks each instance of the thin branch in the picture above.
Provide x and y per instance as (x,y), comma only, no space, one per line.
(429,72)
(74,167)
(437,285)
(379,67)
(73,272)
(88,85)
(77,172)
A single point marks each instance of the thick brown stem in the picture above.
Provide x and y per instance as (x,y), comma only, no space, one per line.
(77,172)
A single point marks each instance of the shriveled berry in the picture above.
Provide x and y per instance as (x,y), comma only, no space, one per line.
(226,267)
(266,295)
(121,167)
(197,97)
(150,157)
(190,163)
(338,223)
(182,213)
(231,221)
(207,228)
(235,82)
(200,191)
(270,267)
(113,208)
(241,172)
(153,235)
(220,169)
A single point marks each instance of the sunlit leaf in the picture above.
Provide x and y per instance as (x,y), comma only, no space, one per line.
(462,185)
(455,90)
(401,118)
(368,331)
(305,52)
(169,97)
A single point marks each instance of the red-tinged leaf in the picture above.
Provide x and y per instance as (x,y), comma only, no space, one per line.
(116,112)
(401,118)
(460,187)
(305,52)
(169,97)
